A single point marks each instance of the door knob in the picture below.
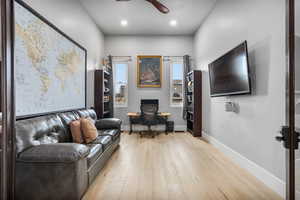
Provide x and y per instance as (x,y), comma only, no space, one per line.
(284,136)
(279,138)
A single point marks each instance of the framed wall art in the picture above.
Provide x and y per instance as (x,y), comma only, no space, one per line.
(50,67)
(149,71)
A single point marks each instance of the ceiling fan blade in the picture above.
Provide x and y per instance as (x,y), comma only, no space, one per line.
(159,6)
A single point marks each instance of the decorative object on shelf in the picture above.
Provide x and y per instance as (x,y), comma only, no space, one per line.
(50,67)
(149,71)
(194,102)
(104,93)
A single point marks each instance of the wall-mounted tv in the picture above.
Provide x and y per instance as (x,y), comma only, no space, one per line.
(229,74)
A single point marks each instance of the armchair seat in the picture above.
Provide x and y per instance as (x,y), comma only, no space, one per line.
(95,151)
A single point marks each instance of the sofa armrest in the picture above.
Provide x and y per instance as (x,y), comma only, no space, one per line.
(108,123)
(54,153)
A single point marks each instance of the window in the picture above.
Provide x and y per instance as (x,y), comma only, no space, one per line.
(176,84)
(121,84)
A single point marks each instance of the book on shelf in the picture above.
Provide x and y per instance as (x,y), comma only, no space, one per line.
(106,98)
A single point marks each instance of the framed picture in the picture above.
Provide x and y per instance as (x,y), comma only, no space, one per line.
(149,71)
(50,67)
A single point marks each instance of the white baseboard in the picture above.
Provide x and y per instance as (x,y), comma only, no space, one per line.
(259,172)
(162,128)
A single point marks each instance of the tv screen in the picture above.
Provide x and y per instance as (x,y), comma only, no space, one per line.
(229,75)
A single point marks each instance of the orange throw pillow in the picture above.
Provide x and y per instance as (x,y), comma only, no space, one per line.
(75,127)
(89,130)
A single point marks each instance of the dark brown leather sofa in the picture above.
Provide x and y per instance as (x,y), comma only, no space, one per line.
(50,166)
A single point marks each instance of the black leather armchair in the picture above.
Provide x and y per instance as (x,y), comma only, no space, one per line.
(50,166)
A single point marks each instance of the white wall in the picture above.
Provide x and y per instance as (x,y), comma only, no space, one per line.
(297,17)
(149,45)
(70,17)
(251,132)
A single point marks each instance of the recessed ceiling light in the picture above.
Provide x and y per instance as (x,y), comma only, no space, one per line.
(173,23)
(124,22)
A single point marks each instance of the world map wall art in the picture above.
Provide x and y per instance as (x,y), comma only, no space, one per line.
(50,68)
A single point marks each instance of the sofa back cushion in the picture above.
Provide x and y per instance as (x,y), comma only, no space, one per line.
(87,113)
(67,118)
(39,130)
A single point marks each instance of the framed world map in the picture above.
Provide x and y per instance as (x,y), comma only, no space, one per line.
(50,67)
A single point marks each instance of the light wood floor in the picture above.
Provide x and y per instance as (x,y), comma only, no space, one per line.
(175,167)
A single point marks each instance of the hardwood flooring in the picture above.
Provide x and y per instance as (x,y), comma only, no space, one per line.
(174,167)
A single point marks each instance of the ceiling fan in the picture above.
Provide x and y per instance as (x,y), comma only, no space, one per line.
(162,8)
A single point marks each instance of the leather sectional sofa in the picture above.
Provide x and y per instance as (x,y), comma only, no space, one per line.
(50,166)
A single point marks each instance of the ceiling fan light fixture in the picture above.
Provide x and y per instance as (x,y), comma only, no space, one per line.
(124,22)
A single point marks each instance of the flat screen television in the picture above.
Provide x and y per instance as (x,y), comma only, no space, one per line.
(229,74)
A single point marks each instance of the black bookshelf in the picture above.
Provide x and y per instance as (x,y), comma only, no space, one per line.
(194,100)
(104,92)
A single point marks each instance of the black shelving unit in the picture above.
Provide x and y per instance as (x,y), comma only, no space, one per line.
(104,95)
(194,100)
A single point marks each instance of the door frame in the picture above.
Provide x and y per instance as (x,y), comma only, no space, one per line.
(7,98)
(290,100)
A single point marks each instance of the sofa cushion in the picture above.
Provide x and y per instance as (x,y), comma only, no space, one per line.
(76,132)
(38,130)
(114,133)
(105,140)
(87,113)
(67,118)
(95,151)
(50,138)
(89,130)
(54,153)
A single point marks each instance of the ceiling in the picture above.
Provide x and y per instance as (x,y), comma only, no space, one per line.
(144,19)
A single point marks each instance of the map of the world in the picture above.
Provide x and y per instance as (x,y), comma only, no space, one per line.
(49,68)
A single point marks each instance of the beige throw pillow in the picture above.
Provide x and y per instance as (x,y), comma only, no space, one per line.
(75,127)
(89,130)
